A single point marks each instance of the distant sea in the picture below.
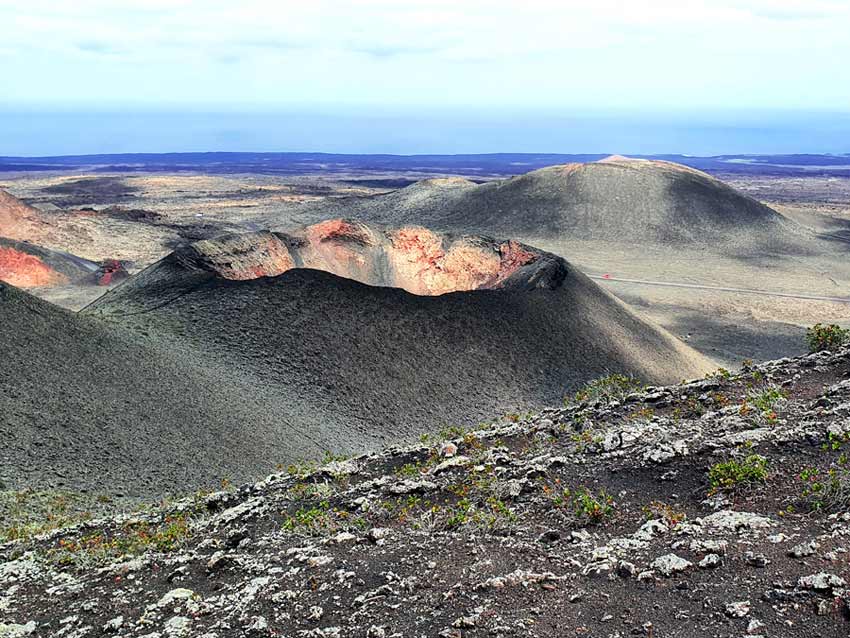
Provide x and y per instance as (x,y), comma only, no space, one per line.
(39,131)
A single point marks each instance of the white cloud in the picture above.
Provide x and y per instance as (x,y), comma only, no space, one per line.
(552,52)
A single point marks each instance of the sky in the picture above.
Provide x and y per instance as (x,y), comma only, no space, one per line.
(424,76)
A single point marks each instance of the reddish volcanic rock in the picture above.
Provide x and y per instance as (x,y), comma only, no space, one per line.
(26,271)
(111,271)
(340,230)
(413,258)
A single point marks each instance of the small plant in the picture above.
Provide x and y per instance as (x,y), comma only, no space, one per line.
(588,507)
(409,470)
(671,516)
(319,519)
(131,539)
(829,490)
(614,387)
(831,337)
(721,373)
(452,432)
(584,441)
(28,513)
(733,474)
(643,414)
(766,401)
(301,469)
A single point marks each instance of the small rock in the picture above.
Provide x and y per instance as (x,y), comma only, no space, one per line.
(736,521)
(412,487)
(670,564)
(821,581)
(710,561)
(755,560)
(738,609)
(626,569)
(549,536)
(754,626)
(378,535)
(113,625)
(177,626)
(217,561)
(803,549)
(175,596)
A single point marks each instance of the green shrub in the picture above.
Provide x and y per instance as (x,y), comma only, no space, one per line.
(767,400)
(831,337)
(614,387)
(589,508)
(829,490)
(733,473)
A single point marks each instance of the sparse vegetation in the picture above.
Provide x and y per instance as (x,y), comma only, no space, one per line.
(733,474)
(614,387)
(667,513)
(765,401)
(588,507)
(826,337)
(320,518)
(132,539)
(829,490)
(27,513)
(721,374)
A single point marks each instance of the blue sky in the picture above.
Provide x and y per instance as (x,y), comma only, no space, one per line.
(398,64)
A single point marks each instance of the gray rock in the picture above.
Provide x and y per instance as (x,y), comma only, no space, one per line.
(803,549)
(670,564)
(738,609)
(821,581)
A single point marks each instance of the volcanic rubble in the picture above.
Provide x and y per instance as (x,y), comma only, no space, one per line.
(597,519)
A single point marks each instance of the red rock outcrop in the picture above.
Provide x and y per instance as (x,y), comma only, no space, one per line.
(111,271)
(27,271)
(413,258)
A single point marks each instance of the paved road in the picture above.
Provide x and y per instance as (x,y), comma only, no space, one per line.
(723,289)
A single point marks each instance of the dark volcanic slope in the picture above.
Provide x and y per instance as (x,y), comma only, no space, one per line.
(83,406)
(227,376)
(202,367)
(617,200)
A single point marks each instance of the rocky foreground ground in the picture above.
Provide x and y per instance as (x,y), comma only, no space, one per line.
(718,507)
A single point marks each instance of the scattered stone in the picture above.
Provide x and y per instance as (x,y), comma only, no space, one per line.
(754,626)
(821,581)
(803,549)
(670,564)
(755,560)
(738,609)
(448,449)
(737,521)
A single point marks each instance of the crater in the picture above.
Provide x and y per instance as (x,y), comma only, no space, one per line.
(413,258)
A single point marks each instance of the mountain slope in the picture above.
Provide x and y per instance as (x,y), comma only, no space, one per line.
(85,407)
(589,520)
(225,358)
(617,200)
